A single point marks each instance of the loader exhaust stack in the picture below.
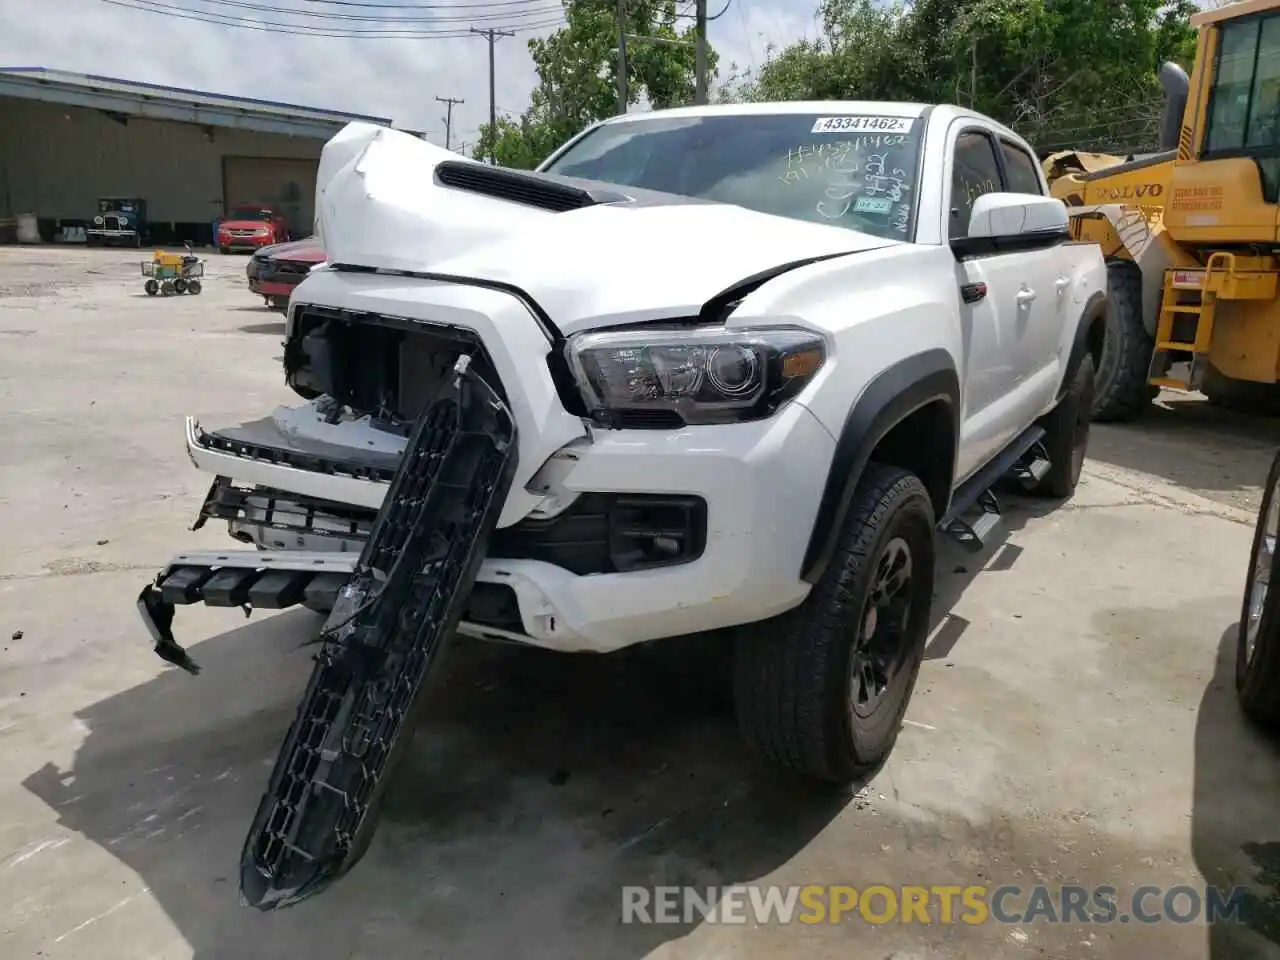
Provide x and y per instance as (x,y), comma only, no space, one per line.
(1176,85)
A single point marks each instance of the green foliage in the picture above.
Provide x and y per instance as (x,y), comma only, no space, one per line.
(1065,73)
(578,76)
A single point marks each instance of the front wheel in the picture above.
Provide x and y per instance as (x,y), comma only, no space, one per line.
(822,689)
(1258,637)
(152,287)
(180,285)
(194,287)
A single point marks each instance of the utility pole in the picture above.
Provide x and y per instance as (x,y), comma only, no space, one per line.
(492,36)
(700,53)
(448,117)
(623,93)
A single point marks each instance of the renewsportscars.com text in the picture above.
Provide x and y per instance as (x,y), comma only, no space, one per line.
(938,904)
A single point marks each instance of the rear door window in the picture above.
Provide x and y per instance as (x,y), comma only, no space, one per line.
(1020,170)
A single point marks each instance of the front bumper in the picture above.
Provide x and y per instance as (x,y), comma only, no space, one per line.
(760,482)
(245,243)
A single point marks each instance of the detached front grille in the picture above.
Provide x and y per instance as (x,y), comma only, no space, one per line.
(379,647)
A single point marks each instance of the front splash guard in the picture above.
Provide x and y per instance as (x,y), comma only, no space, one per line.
(381,641)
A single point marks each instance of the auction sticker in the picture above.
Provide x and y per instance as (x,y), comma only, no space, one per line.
(861,125)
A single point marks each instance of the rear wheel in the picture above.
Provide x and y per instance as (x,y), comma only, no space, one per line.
(1241,396)
(821,689)
(1122,391)
(1067,434)
(194,287)
(152,288)
(1258,639)
(166,288)
(180,285)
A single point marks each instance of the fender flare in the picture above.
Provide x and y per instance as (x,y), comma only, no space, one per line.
(895,394)
(1093,314)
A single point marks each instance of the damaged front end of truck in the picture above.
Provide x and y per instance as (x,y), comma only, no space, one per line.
(396,608)
(400,499)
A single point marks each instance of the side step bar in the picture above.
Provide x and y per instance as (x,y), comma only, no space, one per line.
(380,643)
(1026,460)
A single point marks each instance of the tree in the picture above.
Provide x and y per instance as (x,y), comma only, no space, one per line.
(577,70)
(1063,72)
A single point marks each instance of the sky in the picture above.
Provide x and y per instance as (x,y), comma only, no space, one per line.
(398,78)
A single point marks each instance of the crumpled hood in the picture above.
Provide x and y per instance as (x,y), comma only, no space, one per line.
(642,255)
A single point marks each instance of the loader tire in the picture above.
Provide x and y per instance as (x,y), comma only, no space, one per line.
(1241,396)
(1122,391)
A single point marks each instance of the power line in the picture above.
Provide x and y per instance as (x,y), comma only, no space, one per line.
(301,30)
(421,6)
(533,11)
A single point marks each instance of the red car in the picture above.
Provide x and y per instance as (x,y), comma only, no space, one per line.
(274,271)
(251,226)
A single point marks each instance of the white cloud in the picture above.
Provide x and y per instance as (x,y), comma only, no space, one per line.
(397,78)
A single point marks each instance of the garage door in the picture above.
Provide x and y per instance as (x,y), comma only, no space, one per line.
(289,185)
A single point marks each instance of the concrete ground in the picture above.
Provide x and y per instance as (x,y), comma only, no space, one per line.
(1075,720)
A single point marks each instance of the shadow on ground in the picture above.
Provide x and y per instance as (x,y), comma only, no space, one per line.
(273,327)
(1235,818)
(539,786)
(1193,444)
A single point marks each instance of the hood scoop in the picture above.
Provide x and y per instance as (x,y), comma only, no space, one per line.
(516,186)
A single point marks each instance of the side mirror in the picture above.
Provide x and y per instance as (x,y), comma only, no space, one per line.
(1004,222)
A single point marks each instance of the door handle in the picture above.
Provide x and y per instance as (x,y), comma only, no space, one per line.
(1025,295)
(1061,285)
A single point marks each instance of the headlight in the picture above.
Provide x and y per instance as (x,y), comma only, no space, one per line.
(699,376)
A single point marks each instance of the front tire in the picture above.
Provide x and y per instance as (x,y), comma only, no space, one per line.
(152,287)
(821,690)
(1122,388)
(1258,637)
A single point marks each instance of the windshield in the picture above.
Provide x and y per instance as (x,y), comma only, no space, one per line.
(249,213)
(851,171)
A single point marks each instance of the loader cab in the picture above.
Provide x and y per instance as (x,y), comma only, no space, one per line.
(1226,180)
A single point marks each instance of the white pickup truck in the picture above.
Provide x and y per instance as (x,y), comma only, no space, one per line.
(717,367)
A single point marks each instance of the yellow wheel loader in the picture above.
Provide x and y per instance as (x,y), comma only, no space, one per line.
(1192,234)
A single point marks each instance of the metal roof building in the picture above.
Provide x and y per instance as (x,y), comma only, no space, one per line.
(69,139)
